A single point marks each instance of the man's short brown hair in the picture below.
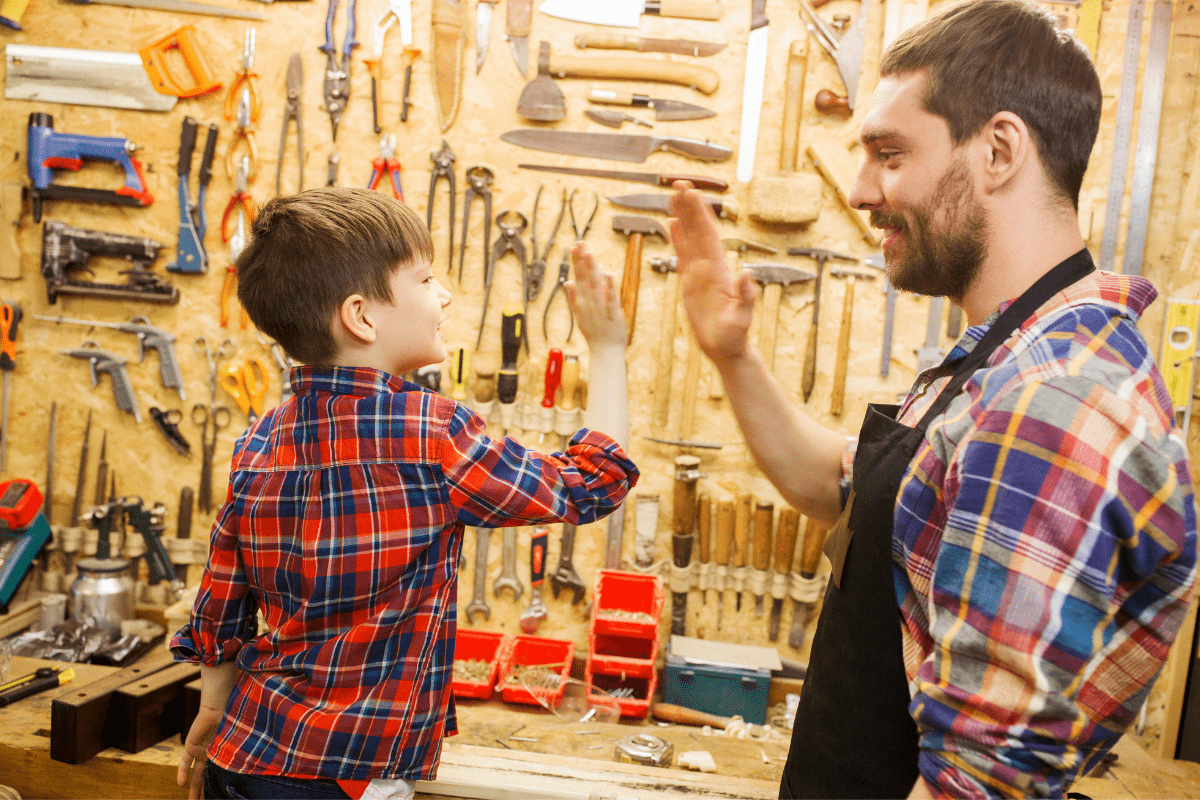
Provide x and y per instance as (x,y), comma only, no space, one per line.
(987,56)
(309,252)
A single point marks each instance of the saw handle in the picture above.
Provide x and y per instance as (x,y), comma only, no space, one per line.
(638,69)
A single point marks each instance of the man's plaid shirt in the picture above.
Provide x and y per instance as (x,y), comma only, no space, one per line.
(344,525)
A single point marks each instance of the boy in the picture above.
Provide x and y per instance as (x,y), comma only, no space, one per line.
(346,506)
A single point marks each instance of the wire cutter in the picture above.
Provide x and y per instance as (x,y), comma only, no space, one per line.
(387,162)
(244,79)
(564,266)
(295,88)
(480,180)
(536,270)
(443,167)
(247,384)
(337,74)
(244,130)
(509,241)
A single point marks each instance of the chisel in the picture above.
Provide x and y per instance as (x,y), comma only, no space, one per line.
(764,518)
(703,537)
(741,544)
(683,527)
(724,539)
(785,545)
(810,558)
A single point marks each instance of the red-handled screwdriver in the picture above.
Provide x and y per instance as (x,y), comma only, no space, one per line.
(554,363)
(10,315)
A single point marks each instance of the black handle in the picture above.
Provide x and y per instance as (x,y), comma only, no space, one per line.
(187,145)
(210,150)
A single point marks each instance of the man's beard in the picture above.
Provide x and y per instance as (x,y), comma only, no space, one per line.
(939,265)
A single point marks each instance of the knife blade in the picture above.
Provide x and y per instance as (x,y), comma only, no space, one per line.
(483,31)
(756,72)
(652,178)
(615,146)
(616,41)
(179,6)
(665,110)
(649,201)
(627,13)
(518,17)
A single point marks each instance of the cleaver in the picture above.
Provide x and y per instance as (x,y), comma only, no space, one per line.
(80,77)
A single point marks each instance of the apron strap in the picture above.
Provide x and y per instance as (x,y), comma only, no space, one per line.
(1068,272)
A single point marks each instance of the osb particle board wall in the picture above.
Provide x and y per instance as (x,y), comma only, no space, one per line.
(141,459)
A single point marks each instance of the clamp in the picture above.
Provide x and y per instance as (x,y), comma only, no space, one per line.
(387,162)
(480,180)
(337,74)
(291,111)
(509,241)
(443,167)
(536,271)
(244,79)
(564,266)
(244,130)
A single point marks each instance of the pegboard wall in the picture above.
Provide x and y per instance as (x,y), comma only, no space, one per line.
(145,465)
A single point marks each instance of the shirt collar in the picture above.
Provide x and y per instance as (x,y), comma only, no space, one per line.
(357,381)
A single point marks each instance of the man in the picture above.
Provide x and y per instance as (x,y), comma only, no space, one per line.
(1029,509)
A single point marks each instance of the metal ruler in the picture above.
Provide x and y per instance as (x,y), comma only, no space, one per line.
(1181,330)
(1120,155)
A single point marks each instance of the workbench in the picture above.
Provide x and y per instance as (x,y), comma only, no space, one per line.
(566,760)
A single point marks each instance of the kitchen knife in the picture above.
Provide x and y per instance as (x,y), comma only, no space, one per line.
(665,110)
(615,146)
(616,41)
(649,201)
(628,13)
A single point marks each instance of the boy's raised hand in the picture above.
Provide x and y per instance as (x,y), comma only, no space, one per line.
(719,303)
(595,301)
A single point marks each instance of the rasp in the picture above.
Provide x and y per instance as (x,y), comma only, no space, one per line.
(752,91)
(615,146)
(665,110)
(448,24)
(652,178)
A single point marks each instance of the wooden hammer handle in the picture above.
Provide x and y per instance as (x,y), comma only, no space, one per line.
(687,716)
(837,401)
(638,69)
(666,351)
(630,281)
(768,323)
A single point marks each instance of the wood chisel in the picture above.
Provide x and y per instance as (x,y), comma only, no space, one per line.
(810,559)
(721,549)
(741,544)
(785,546)
(683,528)
(512,325)
(764,520)
(703,540)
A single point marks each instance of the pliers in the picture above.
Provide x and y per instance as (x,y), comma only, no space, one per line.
(443,167)
(399,11)
(236,240)
(337,74)
(244,80)
(480,180)
(240,196)
(564,267)
(387,162)
(508,242)
(536,270)
(243,131)
(295,87)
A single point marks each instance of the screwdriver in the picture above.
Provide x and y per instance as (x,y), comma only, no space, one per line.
(512,327)
(10,315)
(554,365)
(460,368)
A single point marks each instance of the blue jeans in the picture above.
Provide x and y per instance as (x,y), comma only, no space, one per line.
(221,783)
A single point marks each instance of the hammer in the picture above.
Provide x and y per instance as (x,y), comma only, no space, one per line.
(810,353)
(837,399)
(635,227)
(666,339)
(774,278)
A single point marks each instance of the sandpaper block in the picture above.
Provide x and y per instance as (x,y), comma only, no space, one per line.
(786,199)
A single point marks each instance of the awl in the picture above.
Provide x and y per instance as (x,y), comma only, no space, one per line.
(665,110)
(649,201)
(615,146)
(628,13)
(652,178)
(179,6)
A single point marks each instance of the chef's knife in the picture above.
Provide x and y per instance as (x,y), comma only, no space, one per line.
(628,13)
(616,146)
(665,109)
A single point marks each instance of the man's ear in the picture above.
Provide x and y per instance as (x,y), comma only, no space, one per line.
(1008,146)
(356,320)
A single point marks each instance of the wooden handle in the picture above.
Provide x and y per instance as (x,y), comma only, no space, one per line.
(666,351)
(810,554)
(837,400)
(809,375)
(785,538)
(606,41)
(724,532)
(687,716)
(793,100)
(703,526)
(630,280)
(569,382)
(518,17)
(637,69)
(609,97)
(691,386)
(741,530)
(829,103)
(690,9)
(764,517)
(768,323)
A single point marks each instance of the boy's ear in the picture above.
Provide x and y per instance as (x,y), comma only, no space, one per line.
(356,320)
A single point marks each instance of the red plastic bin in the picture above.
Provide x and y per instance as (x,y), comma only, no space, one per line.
(533,651)
(610,654)
(619,593)
(479,645)
(636,706)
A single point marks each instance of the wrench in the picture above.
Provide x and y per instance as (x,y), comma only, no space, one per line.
(478,603)
(508,567)
(536,612)
(565,577)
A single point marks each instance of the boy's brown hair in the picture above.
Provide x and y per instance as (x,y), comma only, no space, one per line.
(310,251)
(987,56)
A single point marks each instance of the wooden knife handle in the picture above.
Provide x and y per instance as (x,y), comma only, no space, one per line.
(703,526)
(793,100)
(837,402)
(606,41)
(785,538)
(637,69)
(810,555)
(764,517)
(741,530)
(724,536)
(698,181)
(630,281)
(518,17)
(690,9)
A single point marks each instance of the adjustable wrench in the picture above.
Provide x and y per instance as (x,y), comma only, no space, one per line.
(536,612)
(508,567)
(478,604)
(565,576)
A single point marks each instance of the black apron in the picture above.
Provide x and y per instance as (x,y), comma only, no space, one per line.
(853,735)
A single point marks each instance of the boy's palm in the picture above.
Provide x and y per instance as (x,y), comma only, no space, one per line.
(595,301)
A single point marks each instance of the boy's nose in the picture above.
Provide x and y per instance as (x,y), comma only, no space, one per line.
(444,293)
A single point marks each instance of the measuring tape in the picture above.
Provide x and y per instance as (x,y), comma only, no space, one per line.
(1181,329)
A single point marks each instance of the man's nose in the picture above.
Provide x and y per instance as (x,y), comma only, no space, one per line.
(865,194)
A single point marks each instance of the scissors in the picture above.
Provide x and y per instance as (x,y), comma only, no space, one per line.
(226,350)
(247,383)
(220,416)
